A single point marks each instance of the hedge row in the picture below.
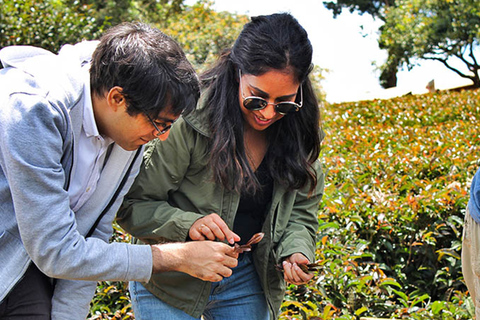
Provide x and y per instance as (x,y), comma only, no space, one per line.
(398,174)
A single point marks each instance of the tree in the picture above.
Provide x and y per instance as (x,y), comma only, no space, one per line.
(203,32)
(442,30)
(48,24)
(113,12)
(431,29)
(377,9)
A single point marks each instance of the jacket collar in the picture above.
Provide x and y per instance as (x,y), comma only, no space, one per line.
(198,119)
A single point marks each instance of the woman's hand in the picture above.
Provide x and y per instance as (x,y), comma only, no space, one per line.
(292,272)
(212,227)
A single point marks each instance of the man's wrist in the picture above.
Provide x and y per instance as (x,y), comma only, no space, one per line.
(166,257)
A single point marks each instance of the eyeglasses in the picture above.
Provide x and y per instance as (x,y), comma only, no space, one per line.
(257,103)
(159,132)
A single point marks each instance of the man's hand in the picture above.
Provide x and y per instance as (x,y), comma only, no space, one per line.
(292,272)
(212,227)
(206,260)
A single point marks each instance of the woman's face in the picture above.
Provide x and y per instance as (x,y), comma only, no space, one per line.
(274,86)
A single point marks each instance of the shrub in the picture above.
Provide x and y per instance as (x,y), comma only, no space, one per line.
(397,180)
(47,24)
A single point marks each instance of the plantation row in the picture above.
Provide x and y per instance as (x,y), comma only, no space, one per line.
(397,180)
(398,174)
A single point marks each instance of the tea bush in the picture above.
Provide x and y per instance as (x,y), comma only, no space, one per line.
(112,299)
(397,179)
(398,174)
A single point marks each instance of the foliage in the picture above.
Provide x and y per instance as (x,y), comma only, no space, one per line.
(316,77)
(113,12)
(435,30)
(397,178)
(112,299)
(207,32)
(375,8)
(48,24)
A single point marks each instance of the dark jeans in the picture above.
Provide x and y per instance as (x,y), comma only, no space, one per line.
(30,299)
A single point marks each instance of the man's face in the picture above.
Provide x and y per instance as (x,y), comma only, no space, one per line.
(132,132)
(129,132)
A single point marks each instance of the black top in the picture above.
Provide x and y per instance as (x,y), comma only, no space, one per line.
(252,209)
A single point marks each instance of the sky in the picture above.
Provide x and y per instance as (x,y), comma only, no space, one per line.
(347,47)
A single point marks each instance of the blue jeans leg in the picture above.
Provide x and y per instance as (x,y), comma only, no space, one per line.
(148,307)
(238,297)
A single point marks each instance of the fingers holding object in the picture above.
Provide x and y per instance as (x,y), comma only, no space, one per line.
(220,229)
(212,227)
(293,273)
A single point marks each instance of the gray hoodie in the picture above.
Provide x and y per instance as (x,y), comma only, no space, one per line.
(41,104)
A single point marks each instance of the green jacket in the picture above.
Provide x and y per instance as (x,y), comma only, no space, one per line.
(174,188)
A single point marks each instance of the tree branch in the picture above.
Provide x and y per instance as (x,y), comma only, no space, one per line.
(461,74)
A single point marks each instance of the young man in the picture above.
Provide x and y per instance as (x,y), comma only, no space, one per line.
(72,127)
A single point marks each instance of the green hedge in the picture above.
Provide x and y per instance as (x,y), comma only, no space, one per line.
(398,174)
(397,178)
(48,24)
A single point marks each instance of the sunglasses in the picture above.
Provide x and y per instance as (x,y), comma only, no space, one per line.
(257,103)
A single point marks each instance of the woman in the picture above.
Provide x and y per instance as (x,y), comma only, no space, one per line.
(244,162)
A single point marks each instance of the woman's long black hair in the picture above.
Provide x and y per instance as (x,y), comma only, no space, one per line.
(273,42)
